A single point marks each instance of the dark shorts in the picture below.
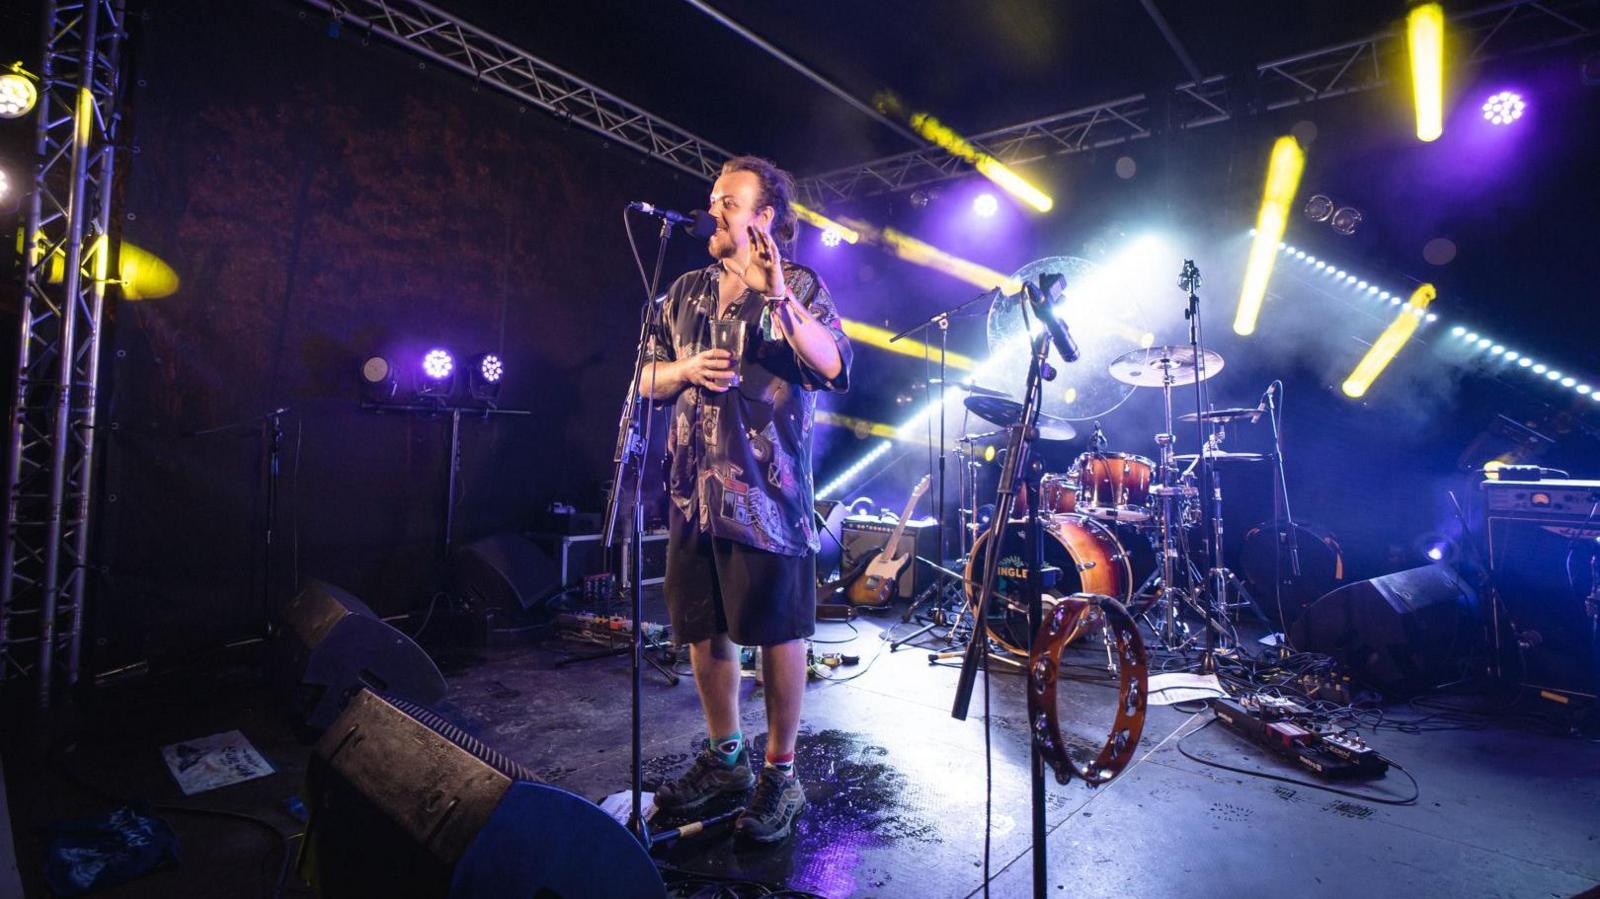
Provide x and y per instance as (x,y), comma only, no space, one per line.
(715,585)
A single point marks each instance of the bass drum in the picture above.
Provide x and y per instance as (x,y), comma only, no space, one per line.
(1087,552)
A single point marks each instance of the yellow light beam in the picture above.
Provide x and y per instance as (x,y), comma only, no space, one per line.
(925,254)
(879,337)
(142,274)
(988,166)
(1389,342)
(1425,43)
(864,428)
(812,217)
(1283,179)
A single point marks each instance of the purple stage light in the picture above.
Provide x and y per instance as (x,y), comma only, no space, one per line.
(490,368)
(985,205)
(438,364)
(1504,108)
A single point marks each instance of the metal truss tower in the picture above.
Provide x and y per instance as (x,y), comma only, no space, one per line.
(67,252)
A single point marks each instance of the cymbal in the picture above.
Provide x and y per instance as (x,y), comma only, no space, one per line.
(1006,412)
(1222,457)
(1151,367)
(980,390)
(1224,415)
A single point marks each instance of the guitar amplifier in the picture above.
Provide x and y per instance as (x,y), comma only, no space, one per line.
(1541,537)
(864,533)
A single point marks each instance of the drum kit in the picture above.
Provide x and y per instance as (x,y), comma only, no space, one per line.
(1115,523)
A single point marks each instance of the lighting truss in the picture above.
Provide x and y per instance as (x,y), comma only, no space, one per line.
(68,251)
(1355,67)
(435,34)
(1471,340)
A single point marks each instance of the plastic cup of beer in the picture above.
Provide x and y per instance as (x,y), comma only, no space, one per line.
(728,334)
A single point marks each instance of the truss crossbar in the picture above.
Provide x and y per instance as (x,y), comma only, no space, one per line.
(446,39)
(1502,29)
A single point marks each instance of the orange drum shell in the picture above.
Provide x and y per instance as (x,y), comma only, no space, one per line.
(1114,481)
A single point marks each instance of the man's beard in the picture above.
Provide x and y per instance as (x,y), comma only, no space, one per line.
(721,245)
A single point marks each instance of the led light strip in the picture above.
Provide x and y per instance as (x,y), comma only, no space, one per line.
(1472,339)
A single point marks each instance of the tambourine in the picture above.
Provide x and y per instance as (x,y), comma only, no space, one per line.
(1072,616)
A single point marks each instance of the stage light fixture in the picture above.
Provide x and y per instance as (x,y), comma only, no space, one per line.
(17,92)
(1512,355)
(484,373)
(1388,344)
(830,237)
(438,373)
(985,205)
(1524,362)
(5,185)
(1319,208)
(377,380)
(1425,44)
(1540,368)
(1346,220)
(1504,108)
(1283,179)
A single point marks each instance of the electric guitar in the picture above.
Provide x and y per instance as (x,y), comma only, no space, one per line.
(874,586)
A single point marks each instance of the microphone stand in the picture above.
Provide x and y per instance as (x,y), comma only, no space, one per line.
(1189,281)
(1018,462)
(942,320)
(630,452)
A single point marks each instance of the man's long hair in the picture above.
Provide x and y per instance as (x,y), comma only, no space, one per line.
(777,191)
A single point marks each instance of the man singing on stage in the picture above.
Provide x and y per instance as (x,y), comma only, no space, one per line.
(742,543)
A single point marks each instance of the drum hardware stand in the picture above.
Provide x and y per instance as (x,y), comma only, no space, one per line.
(633,442)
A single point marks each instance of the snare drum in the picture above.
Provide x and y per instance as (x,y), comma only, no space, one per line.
(1115,486)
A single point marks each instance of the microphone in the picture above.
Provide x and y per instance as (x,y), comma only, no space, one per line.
(698,223)
(1065,345)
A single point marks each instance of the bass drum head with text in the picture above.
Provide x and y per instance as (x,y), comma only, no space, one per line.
(1087,552)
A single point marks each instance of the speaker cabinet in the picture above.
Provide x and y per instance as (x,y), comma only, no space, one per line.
(1548,632)
(1399,633)
(333,645)
(862,534)
(405,804)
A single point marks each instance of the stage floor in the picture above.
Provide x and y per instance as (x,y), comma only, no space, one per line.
(896,789)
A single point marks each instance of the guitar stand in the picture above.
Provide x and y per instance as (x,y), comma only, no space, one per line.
(938,588)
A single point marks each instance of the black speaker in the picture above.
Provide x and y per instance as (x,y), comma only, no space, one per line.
(333,645)
(405,804)
(507,571)
(863,534)
(1399,633)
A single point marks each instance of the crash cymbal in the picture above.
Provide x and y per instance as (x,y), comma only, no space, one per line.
(1005,412)
(1224,415)
(1222,457)
(1153,366)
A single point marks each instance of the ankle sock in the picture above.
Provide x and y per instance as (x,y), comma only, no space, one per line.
(727,748)
(784,763)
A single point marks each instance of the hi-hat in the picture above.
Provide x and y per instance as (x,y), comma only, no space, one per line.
(1005,412)
(1225,415)
(1158,365)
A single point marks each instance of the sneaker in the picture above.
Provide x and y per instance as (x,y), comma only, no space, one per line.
(773,807)
(705,780)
